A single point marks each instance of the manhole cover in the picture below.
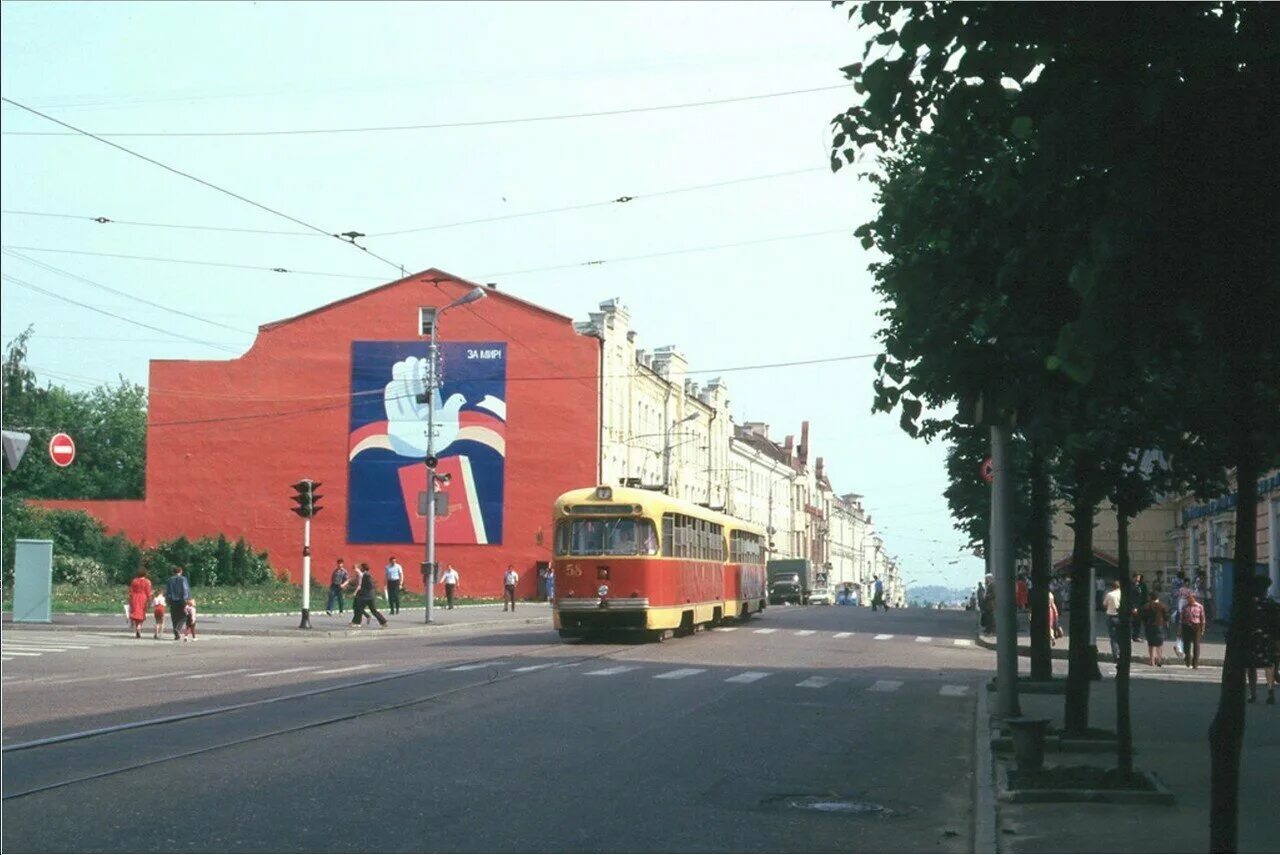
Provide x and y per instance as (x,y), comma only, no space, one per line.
(827,804)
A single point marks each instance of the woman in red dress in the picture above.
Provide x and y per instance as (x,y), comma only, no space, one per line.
(139,599)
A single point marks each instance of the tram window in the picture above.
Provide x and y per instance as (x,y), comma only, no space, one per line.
(668,534)
(606,537)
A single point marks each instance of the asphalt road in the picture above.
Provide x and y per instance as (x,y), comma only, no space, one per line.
(802,730)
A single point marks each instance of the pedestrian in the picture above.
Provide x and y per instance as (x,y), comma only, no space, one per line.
(551,585)
(157,603)
(1138,593)
(189,611)
(395,575)
(877,596)
(1022,593)
(366,597)
(337,584)
(1055,631)
(176,593)
(1264,640)
(509,580)
(1178,601)
(1192,631)
(139,597)
(1111,605)
(1154,617)
(450,579)
(989,606)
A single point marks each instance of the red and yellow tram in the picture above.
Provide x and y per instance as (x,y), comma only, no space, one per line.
(637,560)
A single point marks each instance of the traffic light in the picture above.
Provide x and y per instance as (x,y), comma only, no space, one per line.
(305,497)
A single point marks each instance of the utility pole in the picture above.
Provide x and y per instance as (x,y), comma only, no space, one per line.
(1002,567)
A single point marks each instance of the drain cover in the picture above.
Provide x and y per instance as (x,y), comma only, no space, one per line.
(826,804)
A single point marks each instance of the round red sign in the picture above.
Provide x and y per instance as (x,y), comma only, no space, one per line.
(62,449)
(988,470)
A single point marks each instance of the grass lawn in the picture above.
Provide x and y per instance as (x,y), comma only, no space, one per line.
(246,599)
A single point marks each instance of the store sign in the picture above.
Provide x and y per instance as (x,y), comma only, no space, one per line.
(1226,503)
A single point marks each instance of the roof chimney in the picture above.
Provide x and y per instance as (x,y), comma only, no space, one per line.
(818,466)
(802,450)
(788,446)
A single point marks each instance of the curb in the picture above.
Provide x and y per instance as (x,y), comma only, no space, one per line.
(984,797)
(399,631)
(1161,795)
(1024,650)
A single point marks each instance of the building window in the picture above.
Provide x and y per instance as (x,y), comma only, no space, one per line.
(426,320)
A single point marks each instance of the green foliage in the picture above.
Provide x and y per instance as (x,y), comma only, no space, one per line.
(108,424)
(78,570)
(74,534)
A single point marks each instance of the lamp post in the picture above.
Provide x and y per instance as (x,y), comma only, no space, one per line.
(433,376)
(666,453)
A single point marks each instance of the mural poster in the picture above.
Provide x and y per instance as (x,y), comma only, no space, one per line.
(387,446)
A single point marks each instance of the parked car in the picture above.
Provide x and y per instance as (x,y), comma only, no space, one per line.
(821,597)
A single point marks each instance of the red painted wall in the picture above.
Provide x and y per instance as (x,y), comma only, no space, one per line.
(226,439)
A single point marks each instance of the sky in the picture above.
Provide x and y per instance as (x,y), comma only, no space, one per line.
(799,288)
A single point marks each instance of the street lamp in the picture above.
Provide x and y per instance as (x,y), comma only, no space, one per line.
(433,375)
(666,453)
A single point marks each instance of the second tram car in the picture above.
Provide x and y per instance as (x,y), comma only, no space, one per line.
(636,560)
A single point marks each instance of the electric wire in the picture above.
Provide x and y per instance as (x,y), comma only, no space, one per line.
(111,221)
(479,123)
(194,262)
(203,182)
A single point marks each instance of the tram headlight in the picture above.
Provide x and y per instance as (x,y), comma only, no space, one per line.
(603,591)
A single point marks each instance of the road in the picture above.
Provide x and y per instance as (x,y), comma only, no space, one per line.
(806,729)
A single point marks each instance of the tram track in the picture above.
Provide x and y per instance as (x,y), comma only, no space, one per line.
(64,739)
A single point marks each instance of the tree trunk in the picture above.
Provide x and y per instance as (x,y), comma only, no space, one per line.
(1080,667)
(1124,723)
(1226,733)
(1041,657)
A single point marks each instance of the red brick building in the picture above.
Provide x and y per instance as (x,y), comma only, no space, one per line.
(327,395)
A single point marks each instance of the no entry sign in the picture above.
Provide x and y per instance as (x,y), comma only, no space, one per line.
(988,470)
(62,449)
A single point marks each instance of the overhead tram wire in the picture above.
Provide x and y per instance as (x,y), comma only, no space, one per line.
(100,220)
(193,261)
(205,183)
(427,127)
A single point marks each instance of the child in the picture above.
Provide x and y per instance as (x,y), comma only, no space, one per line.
(189,633)
(158,610)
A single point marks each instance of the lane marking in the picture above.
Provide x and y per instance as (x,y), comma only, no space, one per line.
(816,682)
(843,634)
(217,674)
(609,672)
(535,667)
(804,632)
(747,677)
(477,666)
(19,653)
(349,668)
(883,637)
(953,691)
(726,629)
(40,644)
(765,631)
(924,639)
(885,686)
(285,671)
(150,677)
(962,642)
(679,673)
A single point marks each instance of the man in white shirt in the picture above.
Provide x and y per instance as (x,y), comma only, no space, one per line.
(1111,605)
(450,579)
(509,580)
(395,575)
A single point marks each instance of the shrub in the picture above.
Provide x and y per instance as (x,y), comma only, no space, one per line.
(79,570)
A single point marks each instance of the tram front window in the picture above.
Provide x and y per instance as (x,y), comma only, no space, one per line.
(606,537)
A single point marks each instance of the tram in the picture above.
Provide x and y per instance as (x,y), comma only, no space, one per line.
(639,561)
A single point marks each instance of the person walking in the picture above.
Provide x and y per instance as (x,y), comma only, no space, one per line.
(139,598)
(1192,631)
(988,605)
(1022,593)
(1154,617)
(157,605)
(551,585)
(176,593)
(1111,605)
(189,632)
(1178,602)
(1264,640)
(1138,593)
(877,595)
(450,579)
(1054,630)
(366,597)
(337,584)
(395,575)
(509,580)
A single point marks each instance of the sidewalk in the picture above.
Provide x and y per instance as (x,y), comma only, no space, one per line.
(408,622)
(1212,649)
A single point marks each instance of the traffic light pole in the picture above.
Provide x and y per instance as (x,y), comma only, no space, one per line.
(429,579)
(306,574)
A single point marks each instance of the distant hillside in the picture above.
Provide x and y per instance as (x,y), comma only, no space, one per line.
(936,594)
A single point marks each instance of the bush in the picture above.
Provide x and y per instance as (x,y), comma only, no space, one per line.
(78,570)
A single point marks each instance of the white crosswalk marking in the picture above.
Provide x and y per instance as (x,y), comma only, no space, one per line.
(285,671)
(609,672)
(44,645)
(726,629)
(475,666)
(747,677)
(22,648)
(347,669)
(19,653)
(679,673)
(765,631)
(217,674)
(883,637)
(962,642)
(535,667)
(815,682)
(953,691)
(843,634)
(804,632)
(885,686)
(151,677)
(924,639)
